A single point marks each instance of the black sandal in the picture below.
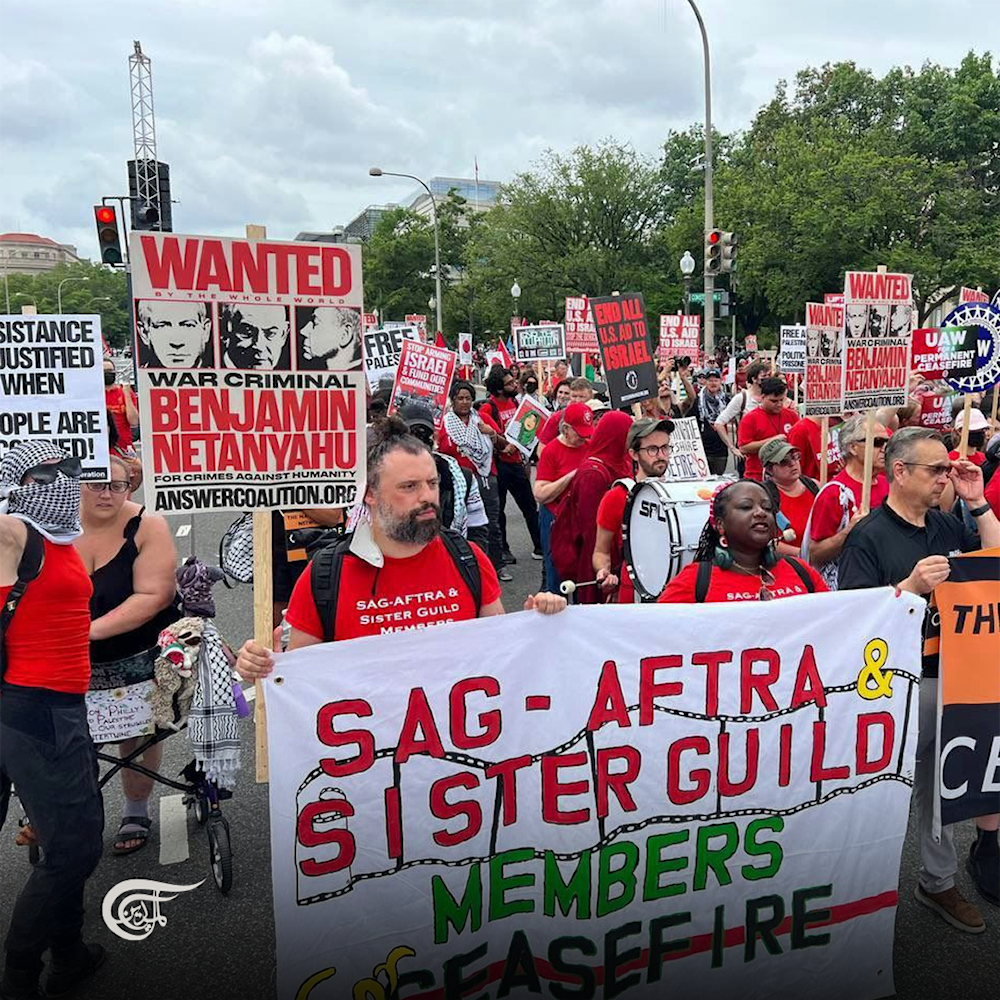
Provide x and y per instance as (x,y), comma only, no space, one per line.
(141,834)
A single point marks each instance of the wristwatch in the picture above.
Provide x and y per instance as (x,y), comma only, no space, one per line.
(979,511)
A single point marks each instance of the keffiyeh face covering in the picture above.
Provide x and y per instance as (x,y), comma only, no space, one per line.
(52,508)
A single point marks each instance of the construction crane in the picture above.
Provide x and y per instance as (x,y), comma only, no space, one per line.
(149,180)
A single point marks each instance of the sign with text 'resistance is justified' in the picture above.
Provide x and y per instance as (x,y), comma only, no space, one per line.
(250,380)
(692,804)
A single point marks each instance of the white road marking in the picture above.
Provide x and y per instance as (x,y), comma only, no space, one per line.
(184,530)
(173,830)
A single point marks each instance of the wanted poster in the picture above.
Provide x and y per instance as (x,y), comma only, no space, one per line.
(679,336)
(52,384)
(418,320)
(250,379)
(424,375)
(626,354)
(792,354)
(878,321)
(943,352)
(543,342)
(382,348)
(581,334)
(824,324)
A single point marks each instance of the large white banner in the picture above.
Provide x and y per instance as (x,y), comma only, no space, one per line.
(714,797)
(52,386)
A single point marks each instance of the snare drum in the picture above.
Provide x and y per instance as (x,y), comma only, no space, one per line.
(661,526)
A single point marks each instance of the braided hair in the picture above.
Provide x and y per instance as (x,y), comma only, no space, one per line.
(710,536)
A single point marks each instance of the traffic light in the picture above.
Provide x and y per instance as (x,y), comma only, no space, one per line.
(149,211)
(729,242)
(713,252)
(107,234)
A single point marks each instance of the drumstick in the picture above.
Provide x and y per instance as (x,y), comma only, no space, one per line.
(567,588)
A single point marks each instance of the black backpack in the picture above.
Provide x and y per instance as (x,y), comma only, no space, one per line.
(704,578)
(772,489)
(327,564)
(28,568)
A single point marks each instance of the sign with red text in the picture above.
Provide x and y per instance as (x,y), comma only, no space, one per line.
(424,375)
(936,411)
(940,352)
(833,298)
(971,295)
(824,325)
(250,381)
(581,334)
(369,321)
(382,349)
(878,323)
(679,336)
(721,790)
(626,355)
(750,343)
(419,320)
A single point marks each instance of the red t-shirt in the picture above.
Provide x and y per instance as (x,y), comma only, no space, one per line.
(556,461)
(806,436)
(976,457)
(550,429)
(425,589)
(732,585)
(448,447)
(506,409)
(827,512)
(992,493)
(758,425)
(610,515)
(48,640)
(114,400)
(796,509)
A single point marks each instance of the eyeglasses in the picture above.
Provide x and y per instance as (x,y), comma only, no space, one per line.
(792,456)
(44,475)
(116,486)
(652,450)
(936,470)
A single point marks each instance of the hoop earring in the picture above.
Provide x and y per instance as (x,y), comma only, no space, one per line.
(723,557)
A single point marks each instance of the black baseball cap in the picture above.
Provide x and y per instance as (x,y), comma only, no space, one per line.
(415,414)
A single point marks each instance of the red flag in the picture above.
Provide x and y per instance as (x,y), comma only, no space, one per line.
(502,348)
(440,341)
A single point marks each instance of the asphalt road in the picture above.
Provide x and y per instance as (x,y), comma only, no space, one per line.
(222,947)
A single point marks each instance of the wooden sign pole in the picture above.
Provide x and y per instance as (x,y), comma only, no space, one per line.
(824,445)
(263,602)
(963,448)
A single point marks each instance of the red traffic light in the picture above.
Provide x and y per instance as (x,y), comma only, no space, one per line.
(105,213)
(714,236)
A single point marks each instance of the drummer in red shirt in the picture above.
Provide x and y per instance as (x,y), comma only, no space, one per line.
(771,419)
(648,443)
(736,558)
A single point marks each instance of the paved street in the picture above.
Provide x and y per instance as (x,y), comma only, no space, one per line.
(222,947)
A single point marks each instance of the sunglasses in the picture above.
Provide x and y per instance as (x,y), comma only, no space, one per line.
(880,442)
(45,475)
(116,486)
(937,471)
(792,456)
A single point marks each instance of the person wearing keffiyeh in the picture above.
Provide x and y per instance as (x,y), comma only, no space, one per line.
(711,400)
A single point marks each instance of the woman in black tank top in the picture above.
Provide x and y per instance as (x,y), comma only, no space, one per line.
(131,560)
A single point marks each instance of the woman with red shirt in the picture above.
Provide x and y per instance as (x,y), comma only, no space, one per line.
(736,558)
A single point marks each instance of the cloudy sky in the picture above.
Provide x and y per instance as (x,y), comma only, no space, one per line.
(271,111)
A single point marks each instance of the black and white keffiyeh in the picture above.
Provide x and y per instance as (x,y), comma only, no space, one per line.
(470,441)
(53,509)
(710,407)
(212,724)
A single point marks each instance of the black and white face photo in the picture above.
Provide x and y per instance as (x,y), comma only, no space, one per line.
(174,334)
(327,338)
(830,344)
(900,319)
(812,342)
(878,321)
(254,338)
(856,319)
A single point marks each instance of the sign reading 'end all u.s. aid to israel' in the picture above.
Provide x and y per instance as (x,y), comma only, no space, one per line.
(721,816)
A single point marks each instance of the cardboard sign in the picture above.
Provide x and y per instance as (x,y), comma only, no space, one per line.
(251,389)
(939,352)
(833,299)
(581,334)
(542,342)
(750,343)
(382,349)
(52,385)
(369,321)
(424,374)
(935,411)
(824,324)
(793,350)
(451,822)
(687,452)
(465,348)
(419,320)
(626,355)
(679,336)
(119,700)
(878,322)
(972,295)
(527,420)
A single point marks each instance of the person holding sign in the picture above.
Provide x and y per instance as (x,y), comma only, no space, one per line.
(45,744)
(737,557)
(398,569)
(906,543)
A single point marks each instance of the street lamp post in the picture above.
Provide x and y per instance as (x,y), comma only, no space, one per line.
(709,208)
(379,172)
(687,269)
(25,295)
(59,291)
(515,295)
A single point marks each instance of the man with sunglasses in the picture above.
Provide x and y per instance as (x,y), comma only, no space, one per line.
(907,543)
(45,745)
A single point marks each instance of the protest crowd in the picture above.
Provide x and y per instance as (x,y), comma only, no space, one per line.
(780,503)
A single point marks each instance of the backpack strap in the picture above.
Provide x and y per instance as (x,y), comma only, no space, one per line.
(802,573)
(324,579)
(810,484)
(28,568)
(466,563)
(702,581)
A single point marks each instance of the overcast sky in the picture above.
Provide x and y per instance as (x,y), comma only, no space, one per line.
(271,111)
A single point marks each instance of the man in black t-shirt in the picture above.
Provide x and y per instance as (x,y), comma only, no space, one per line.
(906,543)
